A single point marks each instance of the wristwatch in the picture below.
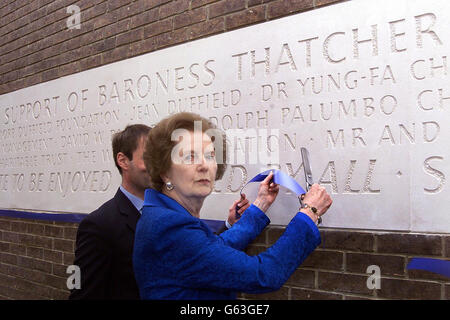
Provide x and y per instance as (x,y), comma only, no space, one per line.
(314,211)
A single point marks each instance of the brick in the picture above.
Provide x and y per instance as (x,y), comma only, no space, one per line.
(301,278)
(340,282)
(30,81)
(114,4)
(144,46)
(225,7)
(262,237)
(5,225)
(389,265)
(172,38)
(40,265)
(247,17)
(282,294)
(406,289)
(70,233)
(68,224)
(201,3)
(63,245)
(43,222)
(130,36)
(19,227)
(447,246)
(25,262)
(87,38)
(36,229)
(57,294)
(320,3)
(157,28)
(347,240)
(68,258)
(252,3)
(90,62)
(17,249)
(425,275)
(7,280)
(35,252)
(4,246)
(207,28)
(116,28)
(103,45)
(94,11)
(273,234)
(18,294)
(10,76)
(328,260)
(409,244)
(173,7)
(189,17)
(50,74)
(129,10)
(69,68)
(53,256)
(305,294)
(6,67)
(42,242)
(144,18)
(53,231)
(8,258)
(37,289)
(116,54)
(60,270)
(283,8)
(56,282)
(106,19)
(10,237)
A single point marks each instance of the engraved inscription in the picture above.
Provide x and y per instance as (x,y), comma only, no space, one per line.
(367,94)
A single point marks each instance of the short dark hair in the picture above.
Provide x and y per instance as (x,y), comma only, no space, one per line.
(126,141)
(160,138)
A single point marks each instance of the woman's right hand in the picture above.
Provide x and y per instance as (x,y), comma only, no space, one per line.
(267,193)
(318,198)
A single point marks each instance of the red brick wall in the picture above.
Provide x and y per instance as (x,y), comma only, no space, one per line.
(337,269)
(36,46)
(34,256)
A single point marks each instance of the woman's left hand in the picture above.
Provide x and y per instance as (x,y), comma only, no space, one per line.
(242,204)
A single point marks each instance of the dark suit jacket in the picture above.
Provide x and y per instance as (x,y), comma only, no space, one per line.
(104,250)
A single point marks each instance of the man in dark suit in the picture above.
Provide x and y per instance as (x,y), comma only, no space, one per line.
(105,238)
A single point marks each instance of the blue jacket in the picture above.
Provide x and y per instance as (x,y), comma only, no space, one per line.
(176,256)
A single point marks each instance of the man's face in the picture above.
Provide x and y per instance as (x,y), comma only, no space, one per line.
(137,173)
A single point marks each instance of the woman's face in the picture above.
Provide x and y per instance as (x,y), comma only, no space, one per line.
(194,167)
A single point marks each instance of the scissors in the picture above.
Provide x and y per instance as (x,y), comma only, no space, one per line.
(308,175)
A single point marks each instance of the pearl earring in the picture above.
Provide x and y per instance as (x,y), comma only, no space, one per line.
(169,186)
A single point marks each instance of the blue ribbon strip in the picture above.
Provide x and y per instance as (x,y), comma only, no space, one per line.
(280,178)
(62,217)
(433,265)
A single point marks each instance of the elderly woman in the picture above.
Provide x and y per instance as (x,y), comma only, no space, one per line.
(176,256)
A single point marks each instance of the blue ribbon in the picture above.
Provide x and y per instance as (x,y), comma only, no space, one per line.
(433,265)
(280,178)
